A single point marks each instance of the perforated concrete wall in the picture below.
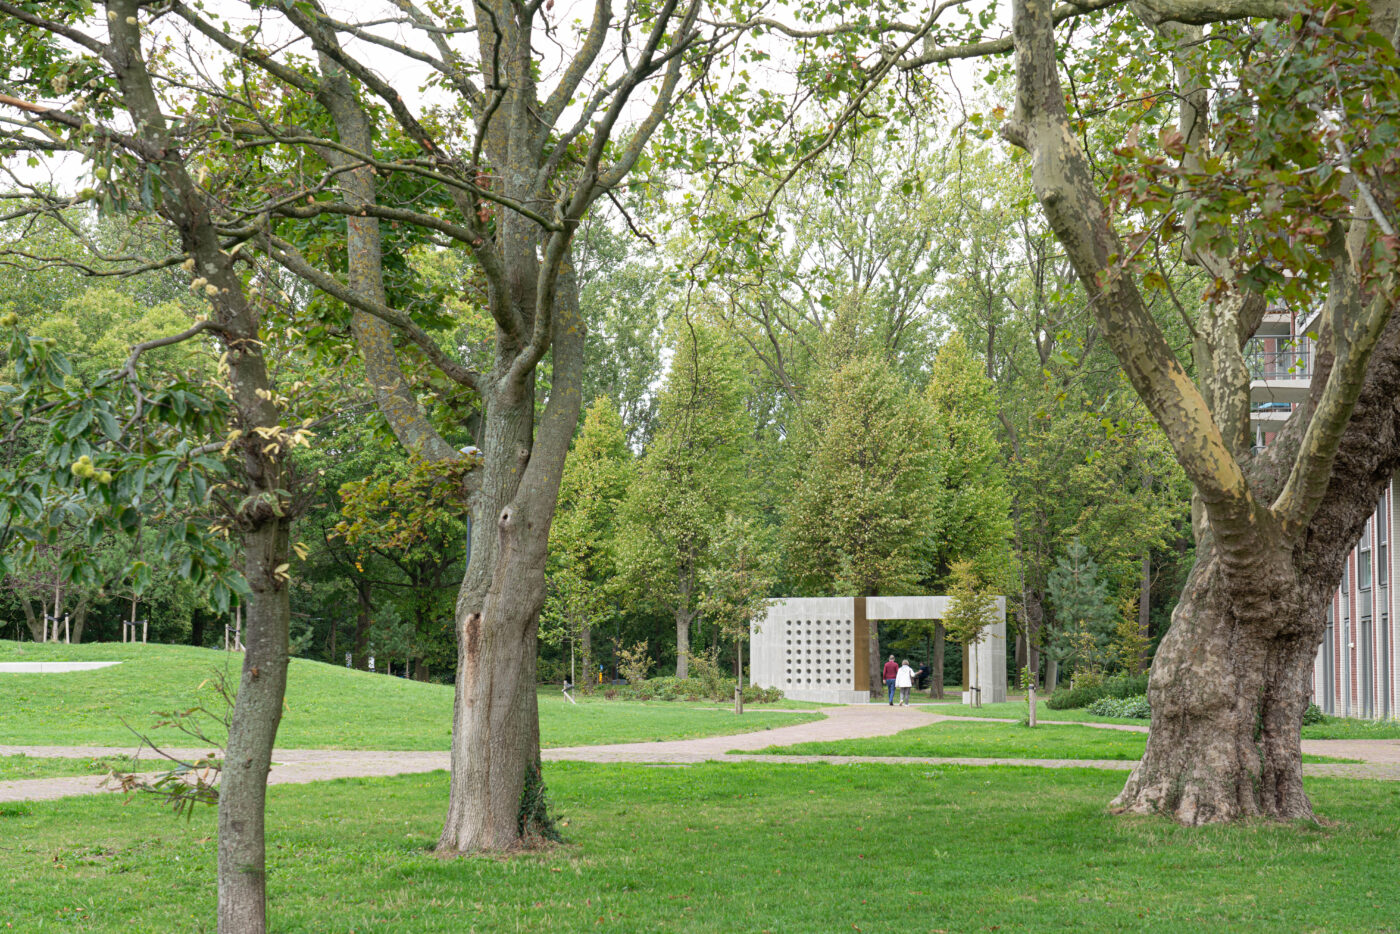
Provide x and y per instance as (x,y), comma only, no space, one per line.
(806,648)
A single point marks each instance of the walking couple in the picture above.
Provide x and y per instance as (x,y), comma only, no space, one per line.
(901,677)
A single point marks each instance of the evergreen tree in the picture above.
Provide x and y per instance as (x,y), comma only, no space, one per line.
(972,506)
(1083,607)
(688,480)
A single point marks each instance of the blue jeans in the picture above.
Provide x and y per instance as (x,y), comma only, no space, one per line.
(889,683)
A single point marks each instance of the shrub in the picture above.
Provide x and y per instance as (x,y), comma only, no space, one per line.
(1082,696)
(1090,687)
(1125,685)
(1313,714)
(633,663)
(691,689)
(1135,708)
(704,669)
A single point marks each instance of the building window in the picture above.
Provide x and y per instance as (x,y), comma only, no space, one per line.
(1383,541)
(1363,559)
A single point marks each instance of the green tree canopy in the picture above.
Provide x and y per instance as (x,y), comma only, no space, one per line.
(689,479)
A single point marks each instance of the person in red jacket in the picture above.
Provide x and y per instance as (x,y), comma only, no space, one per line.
(891,669)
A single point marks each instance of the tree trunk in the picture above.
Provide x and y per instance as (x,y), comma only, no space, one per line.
(257,712)
(685,588)
(1145,612)
(80,613)
(1052,674)
(1020,657)
(939,644)
(586,646)
(35,623)
(1033,611)
(682,643)
(496,801)
(359,640)
(1224,743)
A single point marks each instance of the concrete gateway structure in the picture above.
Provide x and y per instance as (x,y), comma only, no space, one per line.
(816,648)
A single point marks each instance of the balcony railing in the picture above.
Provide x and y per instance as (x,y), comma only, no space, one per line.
(1283,363)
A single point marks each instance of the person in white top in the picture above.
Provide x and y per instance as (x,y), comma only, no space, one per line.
(904,680)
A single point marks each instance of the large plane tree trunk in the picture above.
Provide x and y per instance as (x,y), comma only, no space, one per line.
(1229,682)
(1228,691)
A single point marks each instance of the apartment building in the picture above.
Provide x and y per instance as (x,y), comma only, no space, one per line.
(1355,674)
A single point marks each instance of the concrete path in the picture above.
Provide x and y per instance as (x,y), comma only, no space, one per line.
(298,766)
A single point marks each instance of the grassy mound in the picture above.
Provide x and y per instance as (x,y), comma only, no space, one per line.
(327,707)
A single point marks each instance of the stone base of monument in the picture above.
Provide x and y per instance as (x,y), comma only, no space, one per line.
(833,696)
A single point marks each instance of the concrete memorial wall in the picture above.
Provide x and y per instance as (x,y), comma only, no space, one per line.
(815,648)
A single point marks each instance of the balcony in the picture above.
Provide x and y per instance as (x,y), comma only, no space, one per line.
(1280,377)
(1281,374)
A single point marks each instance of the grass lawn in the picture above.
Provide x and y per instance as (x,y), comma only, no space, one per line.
(13,768)
(1333,728)
(1345,728)
(990,740)
(724,847)
(327,706)
(1016,710)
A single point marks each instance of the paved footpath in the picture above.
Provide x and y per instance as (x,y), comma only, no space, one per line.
(299,766)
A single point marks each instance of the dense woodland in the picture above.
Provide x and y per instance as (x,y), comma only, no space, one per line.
(903,386)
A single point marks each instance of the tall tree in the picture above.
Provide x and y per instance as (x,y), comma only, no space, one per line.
(972,512)
(689,477)
(110,109)
(583,538)
(1082,603)
(1228,686)
(502,161)
(864,480)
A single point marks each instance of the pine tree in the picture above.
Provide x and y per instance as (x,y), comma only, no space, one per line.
(1084,611)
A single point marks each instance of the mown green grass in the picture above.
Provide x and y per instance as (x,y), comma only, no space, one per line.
(1345,728)
(327,707)
(1016,710)
(989,741)
(725,847)
(983,740)
(1332,728)
(13,768)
